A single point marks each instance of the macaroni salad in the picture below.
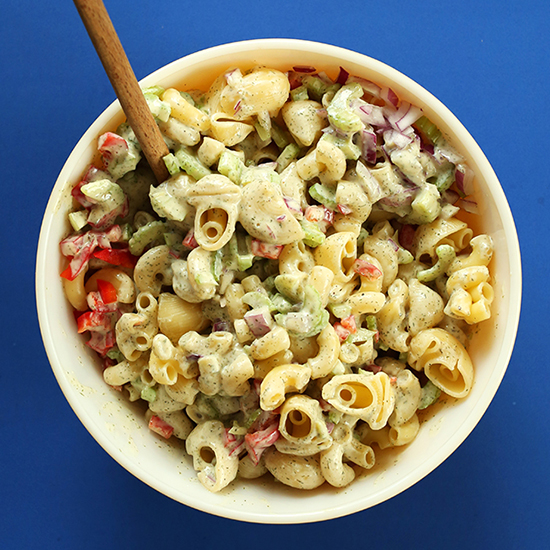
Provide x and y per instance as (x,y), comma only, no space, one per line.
(298,290)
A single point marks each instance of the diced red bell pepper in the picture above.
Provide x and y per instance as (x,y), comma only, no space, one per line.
(257,442)
(102,342)
(159,426)
(189,241)
(266,250)
(345,210)
(341,331)
(117,256)
(321,215)
(110,145)
(94,321)
(234,443)
(107,290)
(349,324)
(366,269)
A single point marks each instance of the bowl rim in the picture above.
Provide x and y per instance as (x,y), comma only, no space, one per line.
(512,322)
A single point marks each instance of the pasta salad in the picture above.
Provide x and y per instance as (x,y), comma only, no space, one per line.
(302,286)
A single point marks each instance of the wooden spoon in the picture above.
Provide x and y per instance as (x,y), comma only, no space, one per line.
(115,62)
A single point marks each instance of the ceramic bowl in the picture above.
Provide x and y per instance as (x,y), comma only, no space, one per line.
(121,429)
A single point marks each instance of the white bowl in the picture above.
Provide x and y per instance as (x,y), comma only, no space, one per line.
(122,431)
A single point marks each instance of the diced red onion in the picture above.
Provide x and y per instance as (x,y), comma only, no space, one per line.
(450,196)
(397,138)
(257,322)
(342,76)
(371,114)
(294,206)
(221,326)
(464,177)
(368,143)
(304,69)
(368,86)
(468,205)
(344,210)
(406,115)
(389,96)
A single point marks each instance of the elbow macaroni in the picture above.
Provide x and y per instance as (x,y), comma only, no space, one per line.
(286,306)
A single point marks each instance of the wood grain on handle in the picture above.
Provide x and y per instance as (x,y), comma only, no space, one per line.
(122,77)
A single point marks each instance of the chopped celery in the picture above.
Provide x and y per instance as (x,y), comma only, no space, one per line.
(371,322)
(279,136)
(172,164)
(160,109)
(191,164)
(339,112)
(313,235)
(324,195)
(239,258)
(444,178)
(363,234)
(263,133)
(78,219)
(428,129)
(156,90)
(148,394)
(288,154)
(317,87)
(144,236)
(231,166)
(115,354)
(281,304)
(425,206)
(299,93)
(430,394)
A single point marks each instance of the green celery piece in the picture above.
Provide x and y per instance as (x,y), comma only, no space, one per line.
(288,154)
(78,219)
(191,164)
(317,88)
(156,90)
(172,164)
(430,394)
(231,166)
(148,394)
(324,195)
(425,206)
(371,323)
(313,235)
(144,236)
(339,112)
(428,129)
(444,178)
(299,94)
(280,136)
(263,133)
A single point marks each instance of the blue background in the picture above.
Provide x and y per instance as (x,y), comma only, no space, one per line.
(488,61)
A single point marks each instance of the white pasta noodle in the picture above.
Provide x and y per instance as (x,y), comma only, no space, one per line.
(297,292)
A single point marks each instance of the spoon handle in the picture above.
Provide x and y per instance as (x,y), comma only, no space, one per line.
(115,62)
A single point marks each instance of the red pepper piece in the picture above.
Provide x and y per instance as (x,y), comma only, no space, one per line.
(117,256)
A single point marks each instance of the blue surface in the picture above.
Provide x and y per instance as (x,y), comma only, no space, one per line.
(488,61)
